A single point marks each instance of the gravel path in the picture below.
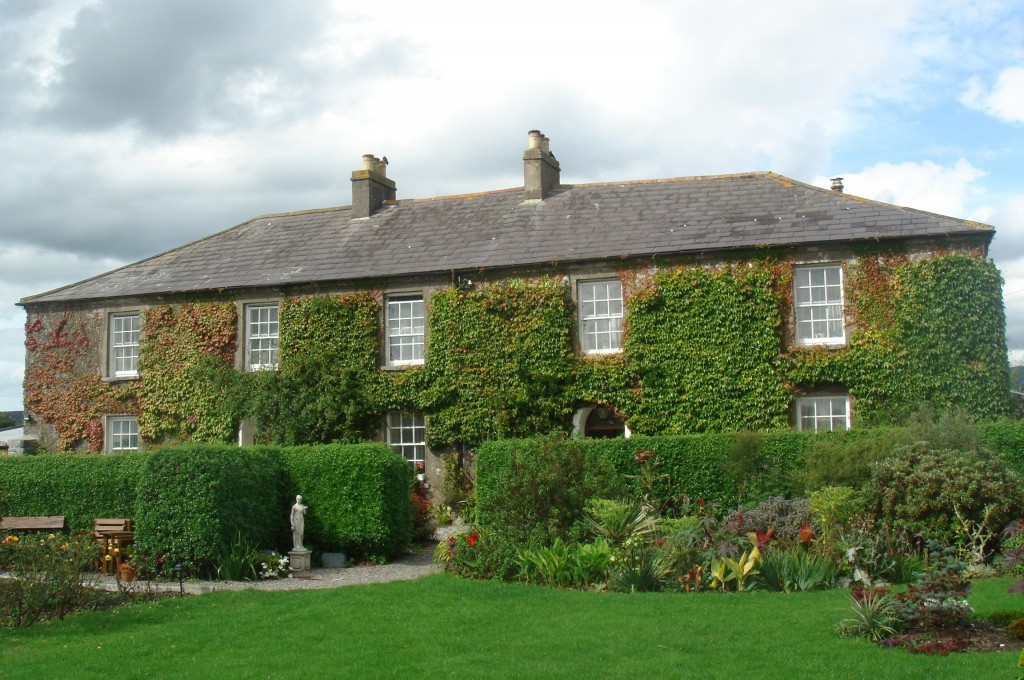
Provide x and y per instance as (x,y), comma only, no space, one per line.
(405,568)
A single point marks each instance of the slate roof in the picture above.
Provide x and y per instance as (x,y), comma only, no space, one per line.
(575,223)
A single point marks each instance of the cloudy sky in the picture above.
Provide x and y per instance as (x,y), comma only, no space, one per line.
(128,127)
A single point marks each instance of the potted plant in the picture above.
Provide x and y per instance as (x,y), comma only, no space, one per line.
(126,572)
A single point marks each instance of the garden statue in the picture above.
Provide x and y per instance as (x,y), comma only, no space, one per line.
(298,523)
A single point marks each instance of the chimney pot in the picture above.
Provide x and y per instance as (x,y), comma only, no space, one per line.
(837,184)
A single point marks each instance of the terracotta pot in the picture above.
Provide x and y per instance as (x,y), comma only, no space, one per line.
(127,572)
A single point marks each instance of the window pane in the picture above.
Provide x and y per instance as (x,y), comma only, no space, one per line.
(406,435)
(601,310)
(262,336)
(823,413)
(124,344)
(124,433)
(818,303)
(406,326)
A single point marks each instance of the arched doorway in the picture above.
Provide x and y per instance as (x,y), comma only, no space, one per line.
(599,421)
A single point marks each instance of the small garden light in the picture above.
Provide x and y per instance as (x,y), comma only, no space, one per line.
(179,571)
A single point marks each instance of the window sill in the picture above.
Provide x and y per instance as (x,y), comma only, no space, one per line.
(823,342)
(402,366)
(602,352)
(120,378)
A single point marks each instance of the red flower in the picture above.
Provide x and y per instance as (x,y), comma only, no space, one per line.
(472,538)
(806,533)
(763,538)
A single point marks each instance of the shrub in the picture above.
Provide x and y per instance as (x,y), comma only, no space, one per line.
(670,527)
(844,458)
(48,577)
(787,517)
(422,512)
(532,490)
(833,508)
(457,485)
(478,554)
(273,565)
(1005,437)
(190,502)
(196,499)
(872,555)
(929,492)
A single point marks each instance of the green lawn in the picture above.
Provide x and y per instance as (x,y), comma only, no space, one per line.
(441,626)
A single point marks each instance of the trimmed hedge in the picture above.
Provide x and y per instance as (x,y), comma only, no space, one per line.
(358,497)
(81,488)
(692,462)
(191,501)
(194,499)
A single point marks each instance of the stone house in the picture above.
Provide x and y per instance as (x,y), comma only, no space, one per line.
(840,282)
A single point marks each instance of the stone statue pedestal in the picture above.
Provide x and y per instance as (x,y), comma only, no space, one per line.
(299,559)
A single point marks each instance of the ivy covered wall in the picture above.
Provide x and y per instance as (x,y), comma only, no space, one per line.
(707,348)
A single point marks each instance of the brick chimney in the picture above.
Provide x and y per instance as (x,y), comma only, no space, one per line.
(540,169)
(371,186)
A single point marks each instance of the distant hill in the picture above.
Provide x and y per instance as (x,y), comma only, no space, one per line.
(9,419)
(1017,378)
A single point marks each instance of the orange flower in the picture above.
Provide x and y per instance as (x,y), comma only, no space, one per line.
(807,534)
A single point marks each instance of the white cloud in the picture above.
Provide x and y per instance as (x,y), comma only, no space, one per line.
(1004,100)
(922,185)
(1008,219)
(170,121)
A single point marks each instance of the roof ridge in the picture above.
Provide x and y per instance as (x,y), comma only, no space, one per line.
(871,201)
(663,180)
(684,178)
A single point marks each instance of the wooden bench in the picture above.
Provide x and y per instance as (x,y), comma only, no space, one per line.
(112,535)
(102,527)
(50,523)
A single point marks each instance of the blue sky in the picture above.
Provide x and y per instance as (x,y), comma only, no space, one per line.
(128,127)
